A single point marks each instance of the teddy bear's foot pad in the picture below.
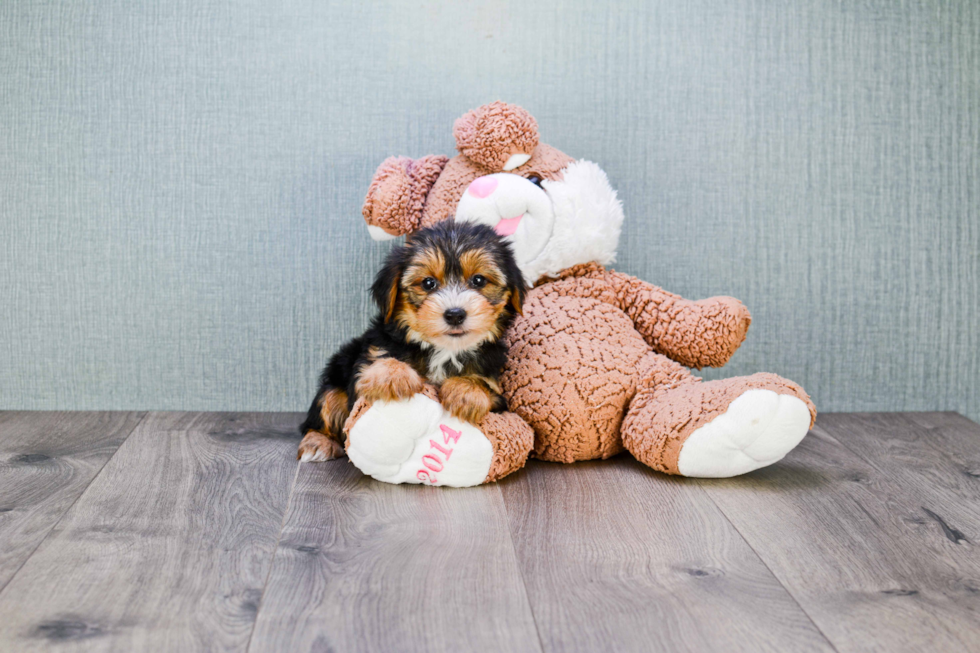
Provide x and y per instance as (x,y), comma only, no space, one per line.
(758,429)
(417,441)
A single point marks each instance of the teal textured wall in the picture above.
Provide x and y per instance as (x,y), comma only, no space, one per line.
(180,182)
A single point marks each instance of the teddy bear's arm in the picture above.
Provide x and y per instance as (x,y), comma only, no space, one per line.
(697,334)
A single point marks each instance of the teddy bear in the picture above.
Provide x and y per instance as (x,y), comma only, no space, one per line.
(598,361)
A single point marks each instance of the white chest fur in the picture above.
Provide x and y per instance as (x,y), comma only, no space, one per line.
(442,363)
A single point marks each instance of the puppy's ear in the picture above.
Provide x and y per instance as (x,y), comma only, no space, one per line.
(515,283)
(387,283)
(517,299)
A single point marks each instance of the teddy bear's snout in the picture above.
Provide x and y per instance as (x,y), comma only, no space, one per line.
(515,207)
(502,201)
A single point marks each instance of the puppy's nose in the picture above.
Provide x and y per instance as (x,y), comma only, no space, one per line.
(454,316)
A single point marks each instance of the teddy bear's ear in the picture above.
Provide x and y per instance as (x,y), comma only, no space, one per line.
(497,136)
(394,202)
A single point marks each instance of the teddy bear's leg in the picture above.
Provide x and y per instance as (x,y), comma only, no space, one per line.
(714,429)
(417,441)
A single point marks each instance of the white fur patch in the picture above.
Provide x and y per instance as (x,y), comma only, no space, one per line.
(454,296)
(440,360)
(588,220)
(758,429)
(417,441)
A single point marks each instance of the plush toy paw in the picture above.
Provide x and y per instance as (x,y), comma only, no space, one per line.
(758,429)
(718,429)
(417,441)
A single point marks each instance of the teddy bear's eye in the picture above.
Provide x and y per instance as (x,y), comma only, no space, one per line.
(534,179)
(429,284)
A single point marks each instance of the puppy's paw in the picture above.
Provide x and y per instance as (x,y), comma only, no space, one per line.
(466,399)
(388,379)
(317,447)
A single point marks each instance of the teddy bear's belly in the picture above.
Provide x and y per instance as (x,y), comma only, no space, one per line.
(572,369)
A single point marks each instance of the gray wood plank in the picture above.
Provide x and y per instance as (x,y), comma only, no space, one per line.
(853,543)
(935,456)
(365,566)
(616,557)
(46,460)
(169,547)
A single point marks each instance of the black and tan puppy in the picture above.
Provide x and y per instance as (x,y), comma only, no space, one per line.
(446,297)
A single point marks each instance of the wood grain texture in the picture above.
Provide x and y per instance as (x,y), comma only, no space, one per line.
(870,553)
(863,539)
(169,547)
(616,557)
(934,456)
(46,461)
(365,566)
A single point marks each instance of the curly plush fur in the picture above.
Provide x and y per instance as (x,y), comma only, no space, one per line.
(599,360)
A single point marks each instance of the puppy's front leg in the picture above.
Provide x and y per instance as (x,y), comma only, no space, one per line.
(388,379)
(468,398)
(317,447)
(324,427)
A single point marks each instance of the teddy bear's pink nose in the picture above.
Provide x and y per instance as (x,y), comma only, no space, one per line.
(482,187)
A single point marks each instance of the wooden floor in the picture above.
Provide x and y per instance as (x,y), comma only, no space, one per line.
(200,532)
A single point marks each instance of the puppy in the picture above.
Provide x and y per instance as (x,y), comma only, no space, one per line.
(446,297)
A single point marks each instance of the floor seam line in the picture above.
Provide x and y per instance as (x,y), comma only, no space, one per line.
(841,443)
(272,562)
(766,565)
(520,570)
(72,505)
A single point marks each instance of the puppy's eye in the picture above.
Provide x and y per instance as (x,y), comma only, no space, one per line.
(478,280)
(429,284)
(534,179)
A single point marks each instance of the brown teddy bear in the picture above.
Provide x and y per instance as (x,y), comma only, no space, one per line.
(598,360)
